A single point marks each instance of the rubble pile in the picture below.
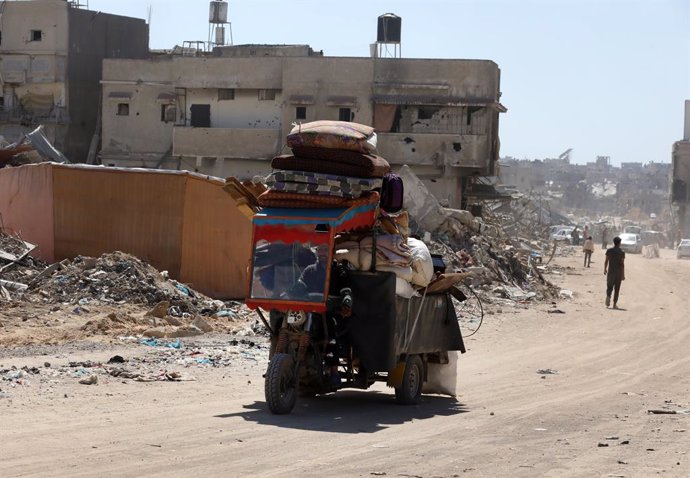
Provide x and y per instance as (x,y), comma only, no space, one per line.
(115,277)
(499,264)
(99,288)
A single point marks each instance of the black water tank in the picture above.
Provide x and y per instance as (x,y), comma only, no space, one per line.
(389,28)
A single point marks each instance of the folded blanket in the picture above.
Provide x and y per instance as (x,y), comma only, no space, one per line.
(295,200)
(335,162)
(391,249)
(318,183)
(335,135)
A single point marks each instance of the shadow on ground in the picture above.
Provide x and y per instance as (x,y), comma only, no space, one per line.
(350,412)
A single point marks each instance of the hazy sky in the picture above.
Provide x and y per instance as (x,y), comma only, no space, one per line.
(604,77)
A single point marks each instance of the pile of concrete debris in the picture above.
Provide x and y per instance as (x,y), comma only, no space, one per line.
(499,265)
(81,285)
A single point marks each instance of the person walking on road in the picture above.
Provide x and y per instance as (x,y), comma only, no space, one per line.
(604,238)
(588,248)
(614,270)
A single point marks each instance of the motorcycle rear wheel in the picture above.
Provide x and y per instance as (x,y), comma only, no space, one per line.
(410,391)
(281,384)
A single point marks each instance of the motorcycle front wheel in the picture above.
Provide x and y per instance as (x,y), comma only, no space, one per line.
(281,384)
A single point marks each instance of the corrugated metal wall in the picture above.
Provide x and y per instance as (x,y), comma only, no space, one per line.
(26,206)
(101,210)
(215,240)
(177,221)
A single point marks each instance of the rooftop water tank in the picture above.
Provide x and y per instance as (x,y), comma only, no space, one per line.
(218,12)
(389,27)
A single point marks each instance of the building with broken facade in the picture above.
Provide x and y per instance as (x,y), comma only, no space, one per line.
(228,113)
(50,67)
(680,186)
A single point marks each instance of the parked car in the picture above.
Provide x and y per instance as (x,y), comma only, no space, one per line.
(632,230)
(683,249)
(562,234)
(631,243)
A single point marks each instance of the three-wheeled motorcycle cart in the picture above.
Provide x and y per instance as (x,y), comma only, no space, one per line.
(333,327)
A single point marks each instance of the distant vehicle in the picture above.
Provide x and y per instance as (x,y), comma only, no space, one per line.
(683,249)
(632,230)
(631,243)
(554,229)
(563,234)
(653,237)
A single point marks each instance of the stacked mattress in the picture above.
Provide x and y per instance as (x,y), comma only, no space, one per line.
(333,164)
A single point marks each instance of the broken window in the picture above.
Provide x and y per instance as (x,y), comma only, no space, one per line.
(426,112)
(345,114)
(301,112)
(2,103)
(123,109)
(168,113)
(475,120)
(36,35)
(226,94)
(267,95)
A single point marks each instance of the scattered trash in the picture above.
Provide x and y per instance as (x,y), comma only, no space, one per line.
(555,311)
(547,371)
(90,380)
(668,412)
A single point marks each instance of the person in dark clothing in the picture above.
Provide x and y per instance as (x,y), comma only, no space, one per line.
(312,281)
(604,238)
(614,270)
(313,277)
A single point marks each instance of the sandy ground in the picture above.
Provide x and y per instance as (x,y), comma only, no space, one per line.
(588,419)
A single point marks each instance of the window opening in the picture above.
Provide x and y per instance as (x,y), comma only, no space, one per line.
(36,35)
(426,112)
(301,112)
(123,109)
(226,94)
(267,95)
(470,111)
(201,116)
(168,113)
(344,114)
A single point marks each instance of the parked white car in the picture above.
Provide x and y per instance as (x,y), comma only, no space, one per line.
(562,234)
(631,243)
(683,249)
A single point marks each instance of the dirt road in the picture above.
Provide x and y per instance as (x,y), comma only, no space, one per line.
(588,419)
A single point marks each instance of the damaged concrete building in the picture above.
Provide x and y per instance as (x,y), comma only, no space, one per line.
(680,190)
(227,113)
(50,65)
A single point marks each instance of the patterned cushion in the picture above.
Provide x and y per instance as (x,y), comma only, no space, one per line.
(323,184)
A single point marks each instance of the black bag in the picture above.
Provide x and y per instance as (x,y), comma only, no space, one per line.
(392,193)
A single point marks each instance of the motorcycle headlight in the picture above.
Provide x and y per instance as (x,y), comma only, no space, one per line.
(296,317)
